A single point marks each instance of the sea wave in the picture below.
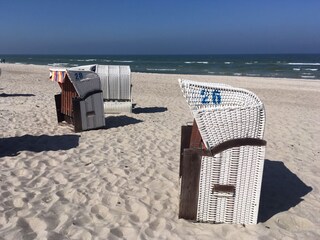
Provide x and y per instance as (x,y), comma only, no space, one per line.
(252,75)
(58,64)
(310,64)
(296,69)
(237,74)
(86,60)
(161,69)
(311,69)
(123,61)
(196,62)
(308,76)
(227,62)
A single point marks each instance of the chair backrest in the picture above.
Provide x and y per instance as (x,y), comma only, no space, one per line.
(204,94)
(84,82)
(223,112)
(116,82)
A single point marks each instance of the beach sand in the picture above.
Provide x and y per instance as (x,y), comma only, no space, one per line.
(122,182)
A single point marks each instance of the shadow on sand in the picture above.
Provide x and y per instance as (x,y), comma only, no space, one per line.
(120,121)
(281,190)
(13,145)
(16,95)
(139,110)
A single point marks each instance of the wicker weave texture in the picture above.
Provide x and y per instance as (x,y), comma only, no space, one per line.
(241,167)
(199,95)
(234,113)
(224,113)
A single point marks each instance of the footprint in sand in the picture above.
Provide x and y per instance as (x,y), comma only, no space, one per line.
(134,218)
(74,232)
(73,195)
(110,200)
(158,225)
(101,212)
(36,225)
(59,178)
(123,233)
(38,182)
(138,209)
(295,223)
(26,173)
(18,202)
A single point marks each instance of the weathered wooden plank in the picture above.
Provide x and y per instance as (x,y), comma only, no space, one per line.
(190,184)
(185,143)
(77,121)
(60,116)
(196,140)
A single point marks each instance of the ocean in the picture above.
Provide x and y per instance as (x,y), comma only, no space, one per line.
(303,66)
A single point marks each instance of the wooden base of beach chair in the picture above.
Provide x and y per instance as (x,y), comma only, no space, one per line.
(203,170)
(190,162)
(85,114)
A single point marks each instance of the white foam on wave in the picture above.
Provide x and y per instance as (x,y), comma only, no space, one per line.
(248,63)
(308,76)
(237,74)
(303,64)
(296,69)
(161,69)
(311,69)
(58,64)
(227,62)
(252,75)
(86,60)
(202,62)
(189,62)
(123,61)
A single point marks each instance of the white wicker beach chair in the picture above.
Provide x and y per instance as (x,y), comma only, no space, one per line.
(231,124)
(116,86)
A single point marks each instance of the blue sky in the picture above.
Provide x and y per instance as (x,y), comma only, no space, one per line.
(159,27)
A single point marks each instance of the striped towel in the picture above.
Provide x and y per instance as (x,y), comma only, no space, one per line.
(57,76)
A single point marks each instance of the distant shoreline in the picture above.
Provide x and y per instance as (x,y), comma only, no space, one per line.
(186,76)
(178,74)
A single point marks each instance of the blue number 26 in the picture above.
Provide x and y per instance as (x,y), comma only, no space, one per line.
(216,97)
